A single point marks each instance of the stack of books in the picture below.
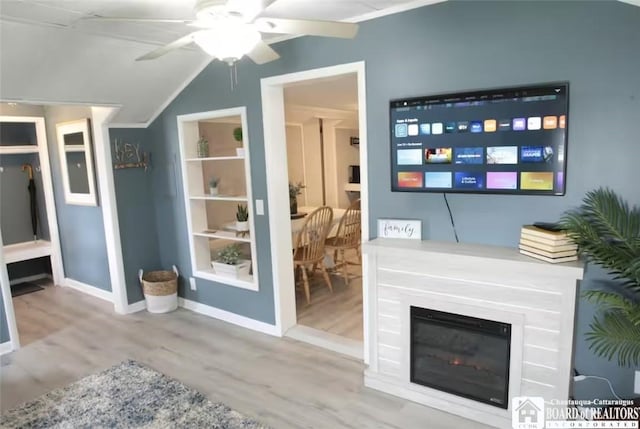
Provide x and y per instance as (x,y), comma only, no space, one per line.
(547,245)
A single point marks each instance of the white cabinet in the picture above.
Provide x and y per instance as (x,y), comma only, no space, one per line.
(211,217)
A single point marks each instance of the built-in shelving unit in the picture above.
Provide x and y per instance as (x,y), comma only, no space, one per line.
(33,141)
(211,217)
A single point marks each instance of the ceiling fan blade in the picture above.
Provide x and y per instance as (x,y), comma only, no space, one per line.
(307,27)
(248,9)
(176,44)
(263,53)
(142,20)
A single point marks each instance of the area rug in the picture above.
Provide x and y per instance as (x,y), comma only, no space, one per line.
(128,395)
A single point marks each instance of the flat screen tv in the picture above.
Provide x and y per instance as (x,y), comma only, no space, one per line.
(495,141)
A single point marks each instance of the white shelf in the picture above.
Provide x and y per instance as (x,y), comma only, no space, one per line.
(219,197)
(224,235)
(17,150)
(245,282)
(214,158)
(25,251)
(352,187)
(74,148)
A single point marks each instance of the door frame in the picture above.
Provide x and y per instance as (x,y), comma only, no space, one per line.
(273,117)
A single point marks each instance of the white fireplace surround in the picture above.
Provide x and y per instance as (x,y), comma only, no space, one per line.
(487,282)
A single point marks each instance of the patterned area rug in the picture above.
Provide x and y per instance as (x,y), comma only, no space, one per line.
(128,395)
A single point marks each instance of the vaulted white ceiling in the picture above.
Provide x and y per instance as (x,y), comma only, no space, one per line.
(48,53)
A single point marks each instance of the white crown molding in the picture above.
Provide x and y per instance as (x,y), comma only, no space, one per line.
(631,2)
(393,10)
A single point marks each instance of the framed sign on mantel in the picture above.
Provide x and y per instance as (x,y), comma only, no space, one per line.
(400,228)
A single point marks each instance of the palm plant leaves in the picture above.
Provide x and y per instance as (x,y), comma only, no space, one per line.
(607,232)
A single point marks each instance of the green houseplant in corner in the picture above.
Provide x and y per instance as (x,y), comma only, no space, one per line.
(229,262)
(242,218)
(607,232)
(237,136)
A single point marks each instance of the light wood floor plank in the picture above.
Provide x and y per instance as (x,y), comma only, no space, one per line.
(282,382)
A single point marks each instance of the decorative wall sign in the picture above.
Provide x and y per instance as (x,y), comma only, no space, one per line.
(400,228)
(128,155)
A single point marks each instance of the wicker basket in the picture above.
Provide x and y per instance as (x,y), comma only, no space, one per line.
(160,290)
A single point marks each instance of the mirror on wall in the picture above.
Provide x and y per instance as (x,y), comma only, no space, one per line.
(76,162)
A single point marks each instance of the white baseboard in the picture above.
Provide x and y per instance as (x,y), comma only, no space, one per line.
(88,289)
(229,317)
(30,278)
(327,340)
(5,348)
(136,306)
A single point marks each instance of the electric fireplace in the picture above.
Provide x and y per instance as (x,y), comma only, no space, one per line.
(462,355)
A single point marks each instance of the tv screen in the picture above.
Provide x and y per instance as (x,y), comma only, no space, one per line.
(497,141)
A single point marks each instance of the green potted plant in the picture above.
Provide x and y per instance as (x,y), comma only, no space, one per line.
(607,232)
(242,218)
(237,135)
(229,262)
(213,185)
(295,189)
(202,147)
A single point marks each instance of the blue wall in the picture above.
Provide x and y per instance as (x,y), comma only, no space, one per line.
(138,234)
(82,239)
(451,46)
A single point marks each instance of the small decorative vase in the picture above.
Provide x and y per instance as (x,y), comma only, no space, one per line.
(293,205)
(242,226)
(213,191)
(203,148)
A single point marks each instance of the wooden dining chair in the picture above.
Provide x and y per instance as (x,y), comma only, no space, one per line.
(348,236)
(309,245)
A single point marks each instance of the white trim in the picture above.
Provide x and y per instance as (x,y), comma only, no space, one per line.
(7,299)
(5,348)
(88,289)
(107,200)
(272,89)
(393,10)
(327,340)
(137,306)
(30,278)
(128,125)
(226,316)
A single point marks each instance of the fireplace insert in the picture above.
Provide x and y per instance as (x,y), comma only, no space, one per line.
(462,355)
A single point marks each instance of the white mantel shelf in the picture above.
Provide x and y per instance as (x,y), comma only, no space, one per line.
(490,282)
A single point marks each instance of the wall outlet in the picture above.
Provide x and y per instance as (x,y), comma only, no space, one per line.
(192,283)
(636,384)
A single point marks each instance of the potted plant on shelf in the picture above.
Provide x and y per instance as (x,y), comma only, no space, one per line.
(242,218)
(237,135)
(229,262)
(213,185)
(294,191)
(607,232)
(202,147)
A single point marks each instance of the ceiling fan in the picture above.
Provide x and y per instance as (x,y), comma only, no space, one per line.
(230,29)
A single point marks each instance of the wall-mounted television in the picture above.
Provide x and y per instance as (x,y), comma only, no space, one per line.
(496,141)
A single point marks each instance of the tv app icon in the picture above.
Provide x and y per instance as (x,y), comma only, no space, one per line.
(402,130)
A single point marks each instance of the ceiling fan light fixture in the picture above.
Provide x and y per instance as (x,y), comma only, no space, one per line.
(228,43)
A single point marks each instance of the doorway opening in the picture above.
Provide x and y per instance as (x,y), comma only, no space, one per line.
(316,122)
